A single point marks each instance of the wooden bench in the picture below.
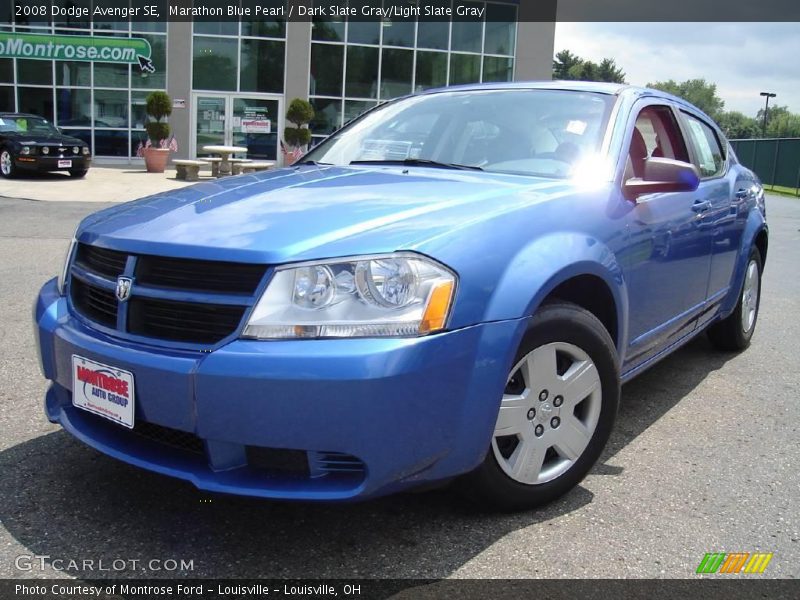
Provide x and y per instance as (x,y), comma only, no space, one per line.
(188,170)
(214,162)
(254,166)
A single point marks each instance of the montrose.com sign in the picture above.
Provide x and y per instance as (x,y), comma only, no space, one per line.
(134,51)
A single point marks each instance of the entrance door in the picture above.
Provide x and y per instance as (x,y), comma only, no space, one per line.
(239,120)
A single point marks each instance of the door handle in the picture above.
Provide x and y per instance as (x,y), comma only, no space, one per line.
(701,206)
(742,194)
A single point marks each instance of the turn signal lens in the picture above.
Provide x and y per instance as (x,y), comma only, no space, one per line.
(435,315)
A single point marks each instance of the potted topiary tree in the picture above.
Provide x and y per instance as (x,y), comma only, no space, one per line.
(300,113)
(156,154)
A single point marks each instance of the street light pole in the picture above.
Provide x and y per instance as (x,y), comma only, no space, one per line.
(766,95)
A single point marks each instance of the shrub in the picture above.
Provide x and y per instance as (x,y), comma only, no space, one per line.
(158,105)
(300,113)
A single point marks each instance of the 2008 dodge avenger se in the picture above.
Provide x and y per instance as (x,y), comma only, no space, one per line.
(453,285)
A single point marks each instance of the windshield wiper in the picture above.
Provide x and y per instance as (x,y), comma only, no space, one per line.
(417,162)
(313,163)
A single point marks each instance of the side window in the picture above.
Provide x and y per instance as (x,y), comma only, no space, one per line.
(655,135)
(710,156)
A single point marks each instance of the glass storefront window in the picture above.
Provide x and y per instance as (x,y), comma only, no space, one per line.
(327,115)
(7,96)
(73,73)
(215,63)
(363,32)
(150,26)
(217,28)
(362,72)
(464,68)
(111,75)
(73,107)
(398,33)
(139,109)
(111,143)
(354,108)
(323,30)
(433,34)
(397,72)
(466,36)
(431,70)
(498,69)
(38,101)
(501,29)
(327,62)
(262,66)
(35,72)
(6,70)
(157,80)
(265,28)
(111,108)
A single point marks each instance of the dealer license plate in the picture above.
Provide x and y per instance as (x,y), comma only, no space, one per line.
(65,164)
(103,390)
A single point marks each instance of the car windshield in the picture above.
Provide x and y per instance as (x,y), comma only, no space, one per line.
(26,125)
(542,133)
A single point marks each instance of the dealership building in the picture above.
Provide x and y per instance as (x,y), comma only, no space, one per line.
(230,81)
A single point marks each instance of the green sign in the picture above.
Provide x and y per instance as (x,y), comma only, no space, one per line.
(135,51)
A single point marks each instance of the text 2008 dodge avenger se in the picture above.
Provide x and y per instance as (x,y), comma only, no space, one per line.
(453,285)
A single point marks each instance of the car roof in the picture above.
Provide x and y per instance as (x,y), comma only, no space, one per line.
(598,87)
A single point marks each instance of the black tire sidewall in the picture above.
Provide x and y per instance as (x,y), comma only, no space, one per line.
(561,322)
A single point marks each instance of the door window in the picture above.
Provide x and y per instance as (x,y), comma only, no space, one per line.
(710,158)
(655,135)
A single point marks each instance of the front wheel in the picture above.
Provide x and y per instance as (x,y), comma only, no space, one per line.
(735,332)
(556,413)
(7,167)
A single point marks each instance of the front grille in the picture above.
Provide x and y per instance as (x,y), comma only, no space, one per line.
(95,303)
(100,260)
(159,314)
(182,321)
(339,462)
(199,275)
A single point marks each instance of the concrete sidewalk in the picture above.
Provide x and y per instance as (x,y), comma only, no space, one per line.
(101,184)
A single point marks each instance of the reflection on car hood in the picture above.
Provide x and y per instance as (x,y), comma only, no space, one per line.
(310,212)
(55,139)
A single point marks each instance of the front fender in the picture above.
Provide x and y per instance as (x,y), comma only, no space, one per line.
(756,223)
(549,261)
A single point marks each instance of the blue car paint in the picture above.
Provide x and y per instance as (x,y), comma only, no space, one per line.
(413,410)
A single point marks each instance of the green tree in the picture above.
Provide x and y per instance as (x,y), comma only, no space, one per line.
(699,92)
(572,67)
(783,125)
(738,126)
(564,61)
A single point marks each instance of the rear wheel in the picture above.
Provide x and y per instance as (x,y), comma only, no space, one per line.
(556,413)
(7,167)
(735,332)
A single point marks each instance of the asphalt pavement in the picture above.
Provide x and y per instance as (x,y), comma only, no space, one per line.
(704,458)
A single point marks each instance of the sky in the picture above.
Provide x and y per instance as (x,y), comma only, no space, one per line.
(743,59)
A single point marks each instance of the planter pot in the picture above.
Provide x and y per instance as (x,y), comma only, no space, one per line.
(155,159)
(292,154)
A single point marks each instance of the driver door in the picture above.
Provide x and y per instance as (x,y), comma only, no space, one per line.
(667,265)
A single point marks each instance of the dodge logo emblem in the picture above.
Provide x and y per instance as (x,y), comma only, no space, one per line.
(123,291)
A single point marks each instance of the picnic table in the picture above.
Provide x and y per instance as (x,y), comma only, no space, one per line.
(225,153)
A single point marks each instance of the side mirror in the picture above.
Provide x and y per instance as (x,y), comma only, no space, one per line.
(662,175)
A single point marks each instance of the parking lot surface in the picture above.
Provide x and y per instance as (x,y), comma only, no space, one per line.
(703,459)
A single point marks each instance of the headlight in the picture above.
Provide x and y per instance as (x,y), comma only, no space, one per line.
(399,294)
(25,150)
(85,149)
(45,150)
(62,278)
(75,149)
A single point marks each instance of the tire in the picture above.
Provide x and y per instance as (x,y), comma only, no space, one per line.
(7,167)
(570,341)
(78,173)
(733,334)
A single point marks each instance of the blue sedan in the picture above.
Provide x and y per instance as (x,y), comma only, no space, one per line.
(451,287)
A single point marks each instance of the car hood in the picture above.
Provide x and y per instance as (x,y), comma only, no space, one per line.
(312,212)
(44,138)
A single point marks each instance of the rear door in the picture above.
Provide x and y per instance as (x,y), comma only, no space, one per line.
(667,262)
(725,216)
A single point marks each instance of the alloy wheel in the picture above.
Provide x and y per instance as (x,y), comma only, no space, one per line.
(5,162)
(750,296)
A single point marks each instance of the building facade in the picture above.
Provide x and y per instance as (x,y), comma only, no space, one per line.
(230,82)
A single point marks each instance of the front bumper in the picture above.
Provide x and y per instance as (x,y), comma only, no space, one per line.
(50,163)
(371,416)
